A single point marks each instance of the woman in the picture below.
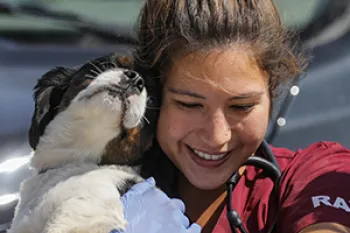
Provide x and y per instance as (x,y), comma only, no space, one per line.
(219,65)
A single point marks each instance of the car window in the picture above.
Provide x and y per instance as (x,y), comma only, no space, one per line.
(296,13)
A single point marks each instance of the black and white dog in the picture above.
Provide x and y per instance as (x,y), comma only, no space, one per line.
(88,121)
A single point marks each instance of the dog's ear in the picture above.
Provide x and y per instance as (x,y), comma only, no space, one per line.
(48,93)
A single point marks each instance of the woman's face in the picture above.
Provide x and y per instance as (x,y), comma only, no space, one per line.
(214,114)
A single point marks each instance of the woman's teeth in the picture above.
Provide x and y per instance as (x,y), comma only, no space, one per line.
(208,156)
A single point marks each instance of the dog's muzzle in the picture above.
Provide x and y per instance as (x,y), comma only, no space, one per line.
(134,83)
(131,83)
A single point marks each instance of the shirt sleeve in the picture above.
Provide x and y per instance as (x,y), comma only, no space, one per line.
(315,187)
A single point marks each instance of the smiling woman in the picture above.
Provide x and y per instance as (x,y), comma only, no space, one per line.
(219,65)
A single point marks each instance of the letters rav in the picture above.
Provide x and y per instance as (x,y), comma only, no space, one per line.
(338,202)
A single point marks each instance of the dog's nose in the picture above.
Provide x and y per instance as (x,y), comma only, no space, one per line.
(139,83)
(131,74)
(136,80)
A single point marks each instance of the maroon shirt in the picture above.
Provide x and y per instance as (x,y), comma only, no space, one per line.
(315,187)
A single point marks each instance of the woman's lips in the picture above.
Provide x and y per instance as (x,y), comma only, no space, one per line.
(208,160)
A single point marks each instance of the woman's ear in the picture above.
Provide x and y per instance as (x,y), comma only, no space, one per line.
(48,93)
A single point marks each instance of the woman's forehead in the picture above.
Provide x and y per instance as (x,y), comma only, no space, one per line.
(224,69)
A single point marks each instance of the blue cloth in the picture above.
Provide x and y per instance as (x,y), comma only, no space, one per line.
(149,210)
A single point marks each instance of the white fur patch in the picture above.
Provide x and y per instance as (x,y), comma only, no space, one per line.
(72,199)
(136,110)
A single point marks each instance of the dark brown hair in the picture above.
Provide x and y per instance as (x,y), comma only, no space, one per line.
(170,27)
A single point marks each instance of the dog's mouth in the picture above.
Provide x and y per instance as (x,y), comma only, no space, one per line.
(114,91)
(131,84)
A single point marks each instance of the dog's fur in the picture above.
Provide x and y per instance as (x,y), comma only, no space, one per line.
(86,124)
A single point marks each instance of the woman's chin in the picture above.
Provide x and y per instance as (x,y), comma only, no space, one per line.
(207,183)
(208,187)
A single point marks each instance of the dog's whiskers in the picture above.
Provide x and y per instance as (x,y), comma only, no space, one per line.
(95,72)
(89,76)
(114,64)
(96,67)
(126,158)
(145,118)
(106,65)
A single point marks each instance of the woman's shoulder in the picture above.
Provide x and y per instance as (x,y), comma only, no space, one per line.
(324,152)
(312,185)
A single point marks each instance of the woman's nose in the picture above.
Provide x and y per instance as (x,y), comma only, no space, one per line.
(217,130)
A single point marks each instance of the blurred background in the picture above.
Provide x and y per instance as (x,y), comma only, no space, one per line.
(36,36)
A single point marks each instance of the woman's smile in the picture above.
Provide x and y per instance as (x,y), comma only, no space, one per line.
(208,159)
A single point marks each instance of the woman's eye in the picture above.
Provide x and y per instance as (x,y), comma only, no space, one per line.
(188,105)
(244,108)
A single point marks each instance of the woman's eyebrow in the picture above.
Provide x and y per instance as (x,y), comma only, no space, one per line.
(248,95)
(185,92)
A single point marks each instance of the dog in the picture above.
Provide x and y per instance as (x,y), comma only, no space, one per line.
(88,131)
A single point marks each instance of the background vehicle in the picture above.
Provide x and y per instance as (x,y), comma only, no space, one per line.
(36,36)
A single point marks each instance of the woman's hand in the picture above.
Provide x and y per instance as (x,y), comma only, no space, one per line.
(149,210)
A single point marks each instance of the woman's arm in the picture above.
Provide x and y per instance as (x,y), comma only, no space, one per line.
(326,227)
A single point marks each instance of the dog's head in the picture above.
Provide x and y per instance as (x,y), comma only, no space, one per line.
(95,112)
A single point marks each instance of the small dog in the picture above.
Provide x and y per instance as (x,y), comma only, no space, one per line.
(87,130)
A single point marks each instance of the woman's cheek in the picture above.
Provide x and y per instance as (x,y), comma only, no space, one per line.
(178,122)
(253,128)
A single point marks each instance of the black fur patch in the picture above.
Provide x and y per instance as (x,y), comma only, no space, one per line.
(47,96)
